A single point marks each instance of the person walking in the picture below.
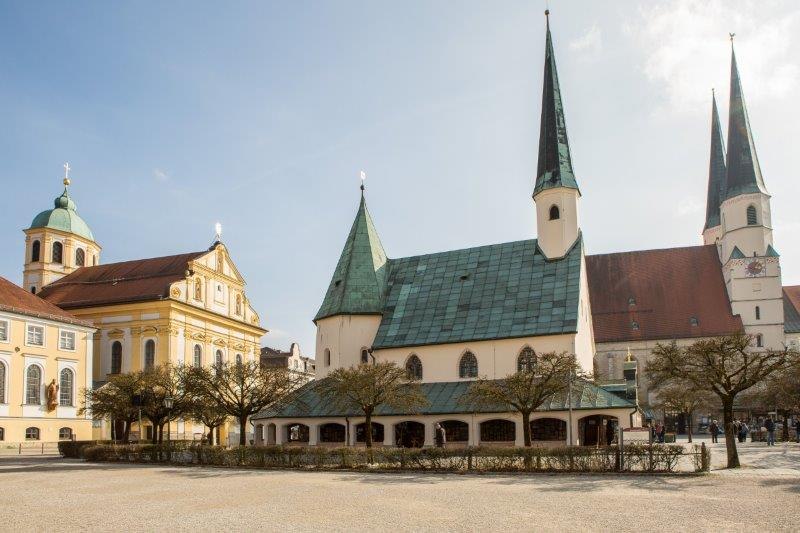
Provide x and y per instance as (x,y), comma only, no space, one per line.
(440,438)
(743,430)
(769,424)
(797,428)
(714,427)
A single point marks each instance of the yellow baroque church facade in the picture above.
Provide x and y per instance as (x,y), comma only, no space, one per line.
(189,308)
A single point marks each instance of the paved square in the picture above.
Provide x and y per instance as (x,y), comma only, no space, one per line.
(44,493)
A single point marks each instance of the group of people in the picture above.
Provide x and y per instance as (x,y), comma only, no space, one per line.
(659,432)
(741,430)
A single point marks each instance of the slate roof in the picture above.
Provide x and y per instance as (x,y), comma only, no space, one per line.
(744,172)
(554,168)
(443,398)
(716,170)
(15,299)
(791,309)
(489,292)
(359,281)
(653,295)
(114,283)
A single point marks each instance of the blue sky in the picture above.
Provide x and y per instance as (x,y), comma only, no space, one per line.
(261,114)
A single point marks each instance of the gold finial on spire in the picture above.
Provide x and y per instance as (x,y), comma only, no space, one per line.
(363,176)
(732,36)
(629,357)
(66,175)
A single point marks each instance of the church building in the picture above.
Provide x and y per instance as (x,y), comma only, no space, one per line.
(188,308)
(453,316)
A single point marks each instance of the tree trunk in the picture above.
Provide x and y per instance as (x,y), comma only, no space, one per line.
(730,439)
(368,424)
(785,436)
(126,433)
(526,428)
(242,434)
(688,427)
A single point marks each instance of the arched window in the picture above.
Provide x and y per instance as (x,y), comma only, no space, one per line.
(238,304)
(33,290)
(327,357)
(364,356)
(555,213)
(218,362)
(32,433)
(198,290)
(758,313)
(36,249)
(414,367)
(33,385)
(116,357)
(2,382)
(149,354)
(80,257)
(58,252)
(2,434)
(239,359)
(94,260)
(66,380)
(760,340)
(752,216)
(65,434)
(468,366)
(198,356)
(526,362)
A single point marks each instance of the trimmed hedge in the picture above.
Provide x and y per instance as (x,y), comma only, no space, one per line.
(635,458)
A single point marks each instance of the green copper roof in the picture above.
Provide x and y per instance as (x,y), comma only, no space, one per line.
(443,398)
(736,253)
(791,316)
(490,292)
(555,163)
(772,252)
(359,281)
(744,172)
(64,217)
(716,170)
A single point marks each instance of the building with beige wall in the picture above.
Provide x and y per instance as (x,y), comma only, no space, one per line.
(449,318)
(45,363)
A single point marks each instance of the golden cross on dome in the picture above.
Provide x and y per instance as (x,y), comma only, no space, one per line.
(66,174)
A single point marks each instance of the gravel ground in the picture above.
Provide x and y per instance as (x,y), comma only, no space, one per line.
(49,493)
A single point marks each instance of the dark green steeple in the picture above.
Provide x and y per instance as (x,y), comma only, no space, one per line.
(555,163)
(744,173)
(359,281)
(716,170)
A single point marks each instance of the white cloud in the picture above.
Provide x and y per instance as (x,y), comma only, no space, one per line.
(689,206)
(591,41)
(160,175)
(686,50)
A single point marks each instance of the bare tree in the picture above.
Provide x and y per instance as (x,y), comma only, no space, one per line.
(526,390)
(676,397)
(781,392)
(114,401)
(159,384)
(242,389)
(726,366)
(367,387)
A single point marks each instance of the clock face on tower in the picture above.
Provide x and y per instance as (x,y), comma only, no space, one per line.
(755,268)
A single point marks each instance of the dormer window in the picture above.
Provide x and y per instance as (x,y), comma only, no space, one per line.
(635,326)
(631,301)
(693,321)
(555,213)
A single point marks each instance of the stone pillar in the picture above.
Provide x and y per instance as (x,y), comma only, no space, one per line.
(475,432)
(313,434)
(280,434)
(575,433)
(519,434)
(388,434)
(429,431)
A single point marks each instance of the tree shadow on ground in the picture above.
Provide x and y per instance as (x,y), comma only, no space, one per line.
(789,483)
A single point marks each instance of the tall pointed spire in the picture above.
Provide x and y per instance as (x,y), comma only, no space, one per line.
(716,169)
(744,172)
(359,281)
(555,163)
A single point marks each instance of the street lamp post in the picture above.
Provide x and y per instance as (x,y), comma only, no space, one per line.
(168,403)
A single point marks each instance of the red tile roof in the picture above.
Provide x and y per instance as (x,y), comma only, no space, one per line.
(15,299)
(791,309)
(660,291)
(129,281)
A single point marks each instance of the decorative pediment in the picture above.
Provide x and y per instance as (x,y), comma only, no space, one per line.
(149,329)
(116,333)
(199,336)
(219,342)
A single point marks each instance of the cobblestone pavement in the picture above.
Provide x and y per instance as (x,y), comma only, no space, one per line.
(46,493)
